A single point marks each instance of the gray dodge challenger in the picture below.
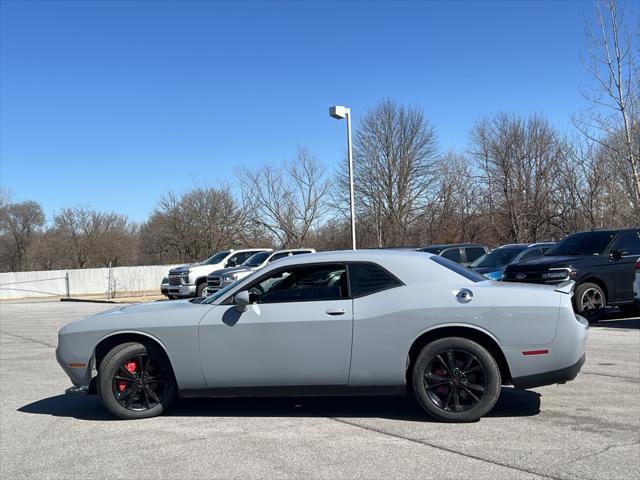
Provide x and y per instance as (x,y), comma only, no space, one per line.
(333,323)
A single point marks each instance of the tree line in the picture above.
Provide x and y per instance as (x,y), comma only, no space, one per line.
(520,180)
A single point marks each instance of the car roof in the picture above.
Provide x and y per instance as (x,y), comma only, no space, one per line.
(450,245)
(609,230)
(311,250)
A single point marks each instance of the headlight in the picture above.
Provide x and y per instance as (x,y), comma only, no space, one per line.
(559,274)
(229,278)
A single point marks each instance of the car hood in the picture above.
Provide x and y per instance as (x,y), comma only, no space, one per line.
(483,270)
(544,262)
(225,271)
(181,268)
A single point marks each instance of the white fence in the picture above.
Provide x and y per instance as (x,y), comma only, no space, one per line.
(89,281)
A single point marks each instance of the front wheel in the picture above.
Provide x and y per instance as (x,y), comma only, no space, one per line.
(590,301)
(456,380)
(136,381)
(201,290)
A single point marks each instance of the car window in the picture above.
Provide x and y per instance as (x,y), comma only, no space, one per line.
(498,257)
(276,256)
(628,243)
(584,243)
(452,254)
(533,253)
(474,253)
(217,258)
(301,284)
(256,259)
(368,278)
(459,269)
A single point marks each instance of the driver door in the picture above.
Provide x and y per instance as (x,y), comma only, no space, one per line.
(297,331)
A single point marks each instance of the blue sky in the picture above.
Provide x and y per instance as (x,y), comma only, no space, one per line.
(112,104)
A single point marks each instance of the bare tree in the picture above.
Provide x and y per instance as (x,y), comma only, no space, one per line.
(287,200)
(612,119)
(394,157)
(193,225)
(93,239)
(519,160)
(19,225)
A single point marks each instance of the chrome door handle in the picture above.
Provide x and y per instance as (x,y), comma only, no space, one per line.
(336,311)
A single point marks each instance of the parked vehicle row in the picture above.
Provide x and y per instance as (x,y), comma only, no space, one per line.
(191,280)
(367,321)
(219,279)
(492,264)
(602,263)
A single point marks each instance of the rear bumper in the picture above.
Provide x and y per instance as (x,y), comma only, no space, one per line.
(549,378)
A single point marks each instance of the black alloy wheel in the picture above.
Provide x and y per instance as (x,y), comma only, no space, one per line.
(456,379)
(140,382)
(136,381)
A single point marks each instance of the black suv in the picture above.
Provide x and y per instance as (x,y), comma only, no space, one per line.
(601,262)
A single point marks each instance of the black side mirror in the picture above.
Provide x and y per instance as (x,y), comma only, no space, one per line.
(231,263)
(616,254)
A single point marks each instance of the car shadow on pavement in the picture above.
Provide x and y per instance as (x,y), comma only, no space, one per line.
(511,403)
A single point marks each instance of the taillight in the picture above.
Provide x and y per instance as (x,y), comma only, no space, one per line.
(638,264)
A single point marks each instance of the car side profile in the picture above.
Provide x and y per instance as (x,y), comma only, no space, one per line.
(366,321)
(601,262)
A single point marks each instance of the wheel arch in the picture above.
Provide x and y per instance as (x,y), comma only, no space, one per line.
(111,340)
(476,334)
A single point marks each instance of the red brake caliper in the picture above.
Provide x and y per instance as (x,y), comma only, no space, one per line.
(439,372)
(131,368)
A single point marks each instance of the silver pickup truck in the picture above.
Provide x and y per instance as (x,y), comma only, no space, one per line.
(221,278)
(191,280)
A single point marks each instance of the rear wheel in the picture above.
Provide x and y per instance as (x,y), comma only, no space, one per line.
(456,380)
(136,381)
(590,301)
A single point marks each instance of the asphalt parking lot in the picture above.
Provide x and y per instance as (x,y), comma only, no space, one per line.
(586,429)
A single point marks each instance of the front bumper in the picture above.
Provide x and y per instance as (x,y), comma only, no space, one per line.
(77,369)
(562,375)
(182,290)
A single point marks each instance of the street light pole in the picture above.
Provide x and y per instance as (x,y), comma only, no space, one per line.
(341,112)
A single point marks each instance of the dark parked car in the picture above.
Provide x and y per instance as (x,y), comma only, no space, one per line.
(462,253)
(492,264)
(601,262)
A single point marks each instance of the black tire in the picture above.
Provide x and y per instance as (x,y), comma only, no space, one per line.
(463,395)
(589,301)
(200,290)
(130,392)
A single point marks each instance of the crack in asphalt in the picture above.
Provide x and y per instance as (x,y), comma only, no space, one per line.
(604,450)
(28,339)
(633,379)
(444,449)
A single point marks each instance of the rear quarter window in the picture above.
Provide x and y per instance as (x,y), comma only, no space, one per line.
(368,278)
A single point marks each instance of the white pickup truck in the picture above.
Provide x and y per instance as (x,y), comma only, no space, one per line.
(191,280)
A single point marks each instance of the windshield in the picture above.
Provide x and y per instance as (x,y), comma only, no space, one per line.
(256,260)
(587,243)
(219,293)
(216,258)
(498,257)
